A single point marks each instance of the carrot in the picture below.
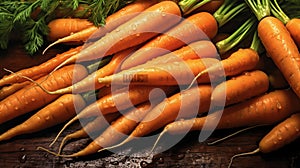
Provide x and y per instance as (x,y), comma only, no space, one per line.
(91,81)
(36,71)
(173,73)
(187,103)
(91,128)
(114,133)
(293,27)
(111,22)
(282,134)
(200,26)
(244,59)
(242,87)
(118,100)
(265,109)
(55,113)
(33,97)
(292,24)
(147,24)
(195,50)
(62,27)
(8,90)
(282,49)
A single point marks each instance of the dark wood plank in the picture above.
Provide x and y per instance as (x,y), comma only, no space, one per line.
(189,152)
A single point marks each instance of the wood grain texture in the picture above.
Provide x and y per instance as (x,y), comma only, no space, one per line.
(21,151)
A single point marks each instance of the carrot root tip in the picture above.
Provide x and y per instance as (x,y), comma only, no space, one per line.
(242,154)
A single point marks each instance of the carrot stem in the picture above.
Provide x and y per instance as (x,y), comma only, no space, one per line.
(278,12)
(228,10)
(261,8)
(188,6)
(235,38)
(256,43)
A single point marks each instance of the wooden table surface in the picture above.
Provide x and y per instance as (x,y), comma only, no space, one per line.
(189,152)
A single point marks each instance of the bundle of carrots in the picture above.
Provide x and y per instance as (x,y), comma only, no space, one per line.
(157,69)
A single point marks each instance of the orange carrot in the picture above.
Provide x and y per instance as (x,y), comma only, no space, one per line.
(65,26)
(111,22)
(244,59)
(33,97)
(205,70)
(282,134)
(55,113)
(36,71)
(293,26)
(173,73)
(242,87)
(114,133)
(199,26)
(147,24)
(119,100)
(91,81)
(91,128)
(282,49)
(195,50)
(185,104)
(9,90)
(266,109)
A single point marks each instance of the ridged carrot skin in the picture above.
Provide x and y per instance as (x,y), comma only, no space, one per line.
(173,73)
(11,89)
(293,27)
(112,21)
(282,134)
(195,50)
(65,26)
(185,104)
(266,109)
(33,97)
(38,70)
(149,23)
(282,49)
(116,131)
(200,26)
(91,81)
(57,112)
(241,87)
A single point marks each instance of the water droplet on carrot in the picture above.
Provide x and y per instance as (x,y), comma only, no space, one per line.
(33,100)
(16,108)
(134,26)
(47,118)
(279,106)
